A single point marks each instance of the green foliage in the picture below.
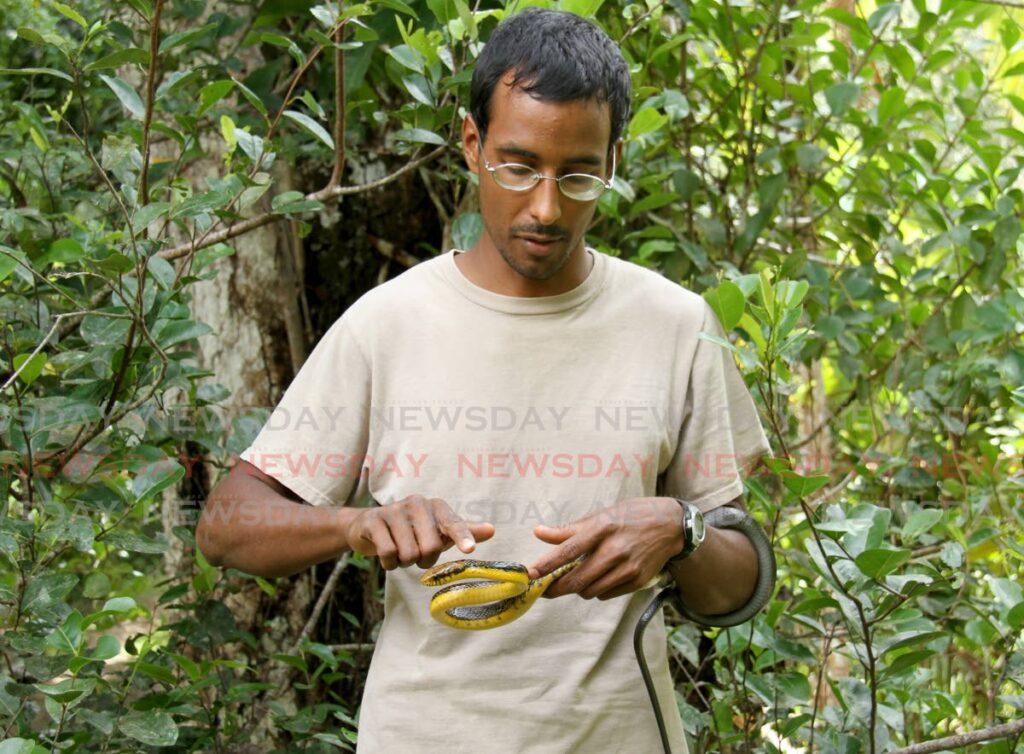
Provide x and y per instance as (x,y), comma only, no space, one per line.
(845,189)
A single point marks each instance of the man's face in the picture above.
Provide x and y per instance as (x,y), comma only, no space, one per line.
(537,231)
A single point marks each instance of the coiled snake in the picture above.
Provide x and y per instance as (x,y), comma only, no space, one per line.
(503,592)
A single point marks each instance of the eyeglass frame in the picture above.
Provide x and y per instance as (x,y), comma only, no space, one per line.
(537,178)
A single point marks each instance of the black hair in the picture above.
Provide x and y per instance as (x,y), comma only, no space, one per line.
(554,56)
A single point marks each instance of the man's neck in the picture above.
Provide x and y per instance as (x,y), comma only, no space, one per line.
(488,270)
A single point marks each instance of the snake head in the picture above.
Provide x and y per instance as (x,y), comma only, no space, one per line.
(455,570)
(442,573)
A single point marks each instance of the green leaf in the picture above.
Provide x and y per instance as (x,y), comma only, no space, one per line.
(63,250)
(810,156)
(919,522)
(1016,70)
(900,59)
(119,605)
(890,105)
(21,746)
(31,366)
(397,5)
(419,88)
(179,330)
(728,303)
(69,12)
(803,485)
(7,266)
(1006,233)
(841,96)
(175,81)
(106,647)
(148,214)
(35,71)
(420,135)
(408,57)
(646,121)
(213,93)
(136,543)
(467,229)
(952,554)
(153,727)
(44,591)
(129,98)
(881,561)
(98,330)
(251,97)
(310,125)
(157,477)
(127,56)
(585,8)
(293,202)
(162,271)
(185,37)
(789,293)
(883,15)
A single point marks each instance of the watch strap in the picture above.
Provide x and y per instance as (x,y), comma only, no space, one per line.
(689,541)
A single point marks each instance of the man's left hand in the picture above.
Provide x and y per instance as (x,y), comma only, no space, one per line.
(626,545)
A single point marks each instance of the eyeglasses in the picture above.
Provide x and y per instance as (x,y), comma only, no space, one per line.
(582,187)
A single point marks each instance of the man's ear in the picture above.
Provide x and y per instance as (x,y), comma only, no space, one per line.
(471,143)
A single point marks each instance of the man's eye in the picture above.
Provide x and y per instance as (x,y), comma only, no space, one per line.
(580,181)
(519,171)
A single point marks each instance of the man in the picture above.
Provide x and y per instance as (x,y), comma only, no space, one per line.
(526,400)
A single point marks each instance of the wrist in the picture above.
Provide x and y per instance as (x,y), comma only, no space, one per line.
(342,522)
(693,531)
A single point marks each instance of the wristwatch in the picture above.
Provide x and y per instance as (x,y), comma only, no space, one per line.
(693,530)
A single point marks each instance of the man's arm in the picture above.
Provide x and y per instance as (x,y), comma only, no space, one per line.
(254,523)
(628,545)
(721,574)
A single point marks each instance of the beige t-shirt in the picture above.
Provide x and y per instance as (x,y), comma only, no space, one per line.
(516,411)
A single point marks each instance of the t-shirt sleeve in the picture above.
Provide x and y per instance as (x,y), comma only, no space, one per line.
(720,435)
(315,440)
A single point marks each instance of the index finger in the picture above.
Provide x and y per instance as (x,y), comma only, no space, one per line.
(456,529)
(568,551)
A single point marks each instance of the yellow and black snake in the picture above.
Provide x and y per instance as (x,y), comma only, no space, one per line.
(501,593)
(496,593)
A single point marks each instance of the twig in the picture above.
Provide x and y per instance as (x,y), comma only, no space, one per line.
(392,252)
(357,647)
(321,602)
(154,39)
(42,344)
(258,221)
(339,109)
(318,609)
(964,739)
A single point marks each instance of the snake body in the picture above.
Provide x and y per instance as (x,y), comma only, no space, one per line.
(500,593)
(504,591)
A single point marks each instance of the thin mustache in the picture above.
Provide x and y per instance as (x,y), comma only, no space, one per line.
(539,231)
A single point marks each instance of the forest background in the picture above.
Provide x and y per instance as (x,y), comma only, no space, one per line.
(192,191)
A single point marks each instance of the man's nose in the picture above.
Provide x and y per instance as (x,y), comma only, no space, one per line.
(546,203)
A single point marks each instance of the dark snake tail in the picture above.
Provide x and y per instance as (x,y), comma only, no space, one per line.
(721,518)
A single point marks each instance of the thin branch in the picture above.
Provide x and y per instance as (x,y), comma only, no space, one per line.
(40,347)
(339,109)
(392,252)
(324,194)
(154,43)
(318,608)
(964,739)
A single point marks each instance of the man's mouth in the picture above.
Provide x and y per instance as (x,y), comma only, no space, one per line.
(540,241)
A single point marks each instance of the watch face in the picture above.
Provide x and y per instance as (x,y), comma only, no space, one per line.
(698,527)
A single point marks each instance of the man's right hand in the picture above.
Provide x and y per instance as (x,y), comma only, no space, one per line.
(415,530)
